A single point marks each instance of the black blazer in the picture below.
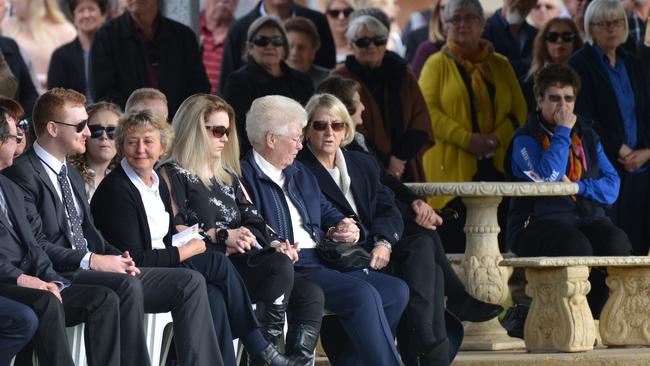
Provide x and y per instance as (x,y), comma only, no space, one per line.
(597,100)
(377,212)
(20,253)
(118,61)
(121,217)
(26,94)
(236,41)
(41,198)
(67,68)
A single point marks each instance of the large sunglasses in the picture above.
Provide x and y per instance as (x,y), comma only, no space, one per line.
(96,131)
(335,13)
(556,98)
(78,127)
(218,131)
(23,124)
(555,36)
(322,125)
(364,42)
(263,41)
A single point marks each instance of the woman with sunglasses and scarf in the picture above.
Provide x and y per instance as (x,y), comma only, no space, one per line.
(99,158)
(265,73)
(558,39)
(396,120)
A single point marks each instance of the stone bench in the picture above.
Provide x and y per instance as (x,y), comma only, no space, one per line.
(560,319)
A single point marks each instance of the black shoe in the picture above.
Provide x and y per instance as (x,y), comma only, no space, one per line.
(301,344)
(515,319)
(474,310)
(438,355)
(271,318)
(269,356)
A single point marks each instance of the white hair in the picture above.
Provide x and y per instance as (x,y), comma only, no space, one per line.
(367,22)
(275,114)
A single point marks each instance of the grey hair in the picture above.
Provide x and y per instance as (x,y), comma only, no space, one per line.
(274,114)
(454,6)
(369,23)
(268,21)
(603,9)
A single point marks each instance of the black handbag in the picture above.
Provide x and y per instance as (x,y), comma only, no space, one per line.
(343,256)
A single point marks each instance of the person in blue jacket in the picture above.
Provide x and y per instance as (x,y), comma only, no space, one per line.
(556,145)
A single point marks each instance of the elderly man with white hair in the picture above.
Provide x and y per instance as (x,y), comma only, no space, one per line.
(368,304)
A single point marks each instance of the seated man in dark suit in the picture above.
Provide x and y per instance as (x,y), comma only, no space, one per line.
(79,252)
(27,277)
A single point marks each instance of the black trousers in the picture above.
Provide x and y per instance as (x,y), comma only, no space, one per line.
(18,323)
(97,306)
(180,291)
(631,212)
(593,237)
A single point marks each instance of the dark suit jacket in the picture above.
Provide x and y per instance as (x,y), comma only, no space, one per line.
(121,217)
(597,100)
(67,68)
(26,94)
(41,198)
(118,61)
(236,41)
(20,253)
(377,212)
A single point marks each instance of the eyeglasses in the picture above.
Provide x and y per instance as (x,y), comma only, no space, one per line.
(218,131)
(18,137)
(263,41)
(23,124)
(556,98)
(96,131)
(470,18)
(364,42)
(609,24)
(553,37)
(296,140)
(78,127)
(545,6)
(335,13)
(322,125)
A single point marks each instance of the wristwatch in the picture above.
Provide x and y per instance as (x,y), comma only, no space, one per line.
(222,236)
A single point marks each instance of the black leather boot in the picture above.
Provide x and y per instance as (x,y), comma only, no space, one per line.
(301,344)
(438,355)
(271,319)
(269,356)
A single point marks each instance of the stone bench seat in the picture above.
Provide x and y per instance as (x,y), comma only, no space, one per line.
(560,319)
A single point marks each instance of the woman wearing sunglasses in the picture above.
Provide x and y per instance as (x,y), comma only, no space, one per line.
(16,114)
(99,158)
(554,44)
(396,120)
(265,73)
(338,16)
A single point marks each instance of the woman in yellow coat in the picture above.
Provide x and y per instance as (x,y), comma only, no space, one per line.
(475,104)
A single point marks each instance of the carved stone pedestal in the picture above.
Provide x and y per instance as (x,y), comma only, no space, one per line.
(559,318)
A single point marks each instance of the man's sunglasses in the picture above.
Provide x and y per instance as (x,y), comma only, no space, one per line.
(18,137)
(78,127)
(335,13)
(263,41)
(96,131)
(364,42)
(218,131)
(554,36)
(322,125)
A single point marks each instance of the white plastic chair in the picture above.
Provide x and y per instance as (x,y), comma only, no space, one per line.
(159,331)
(77,346)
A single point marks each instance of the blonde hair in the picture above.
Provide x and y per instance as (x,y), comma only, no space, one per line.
(334,107)
(40,11)
(144,119)
(191,148)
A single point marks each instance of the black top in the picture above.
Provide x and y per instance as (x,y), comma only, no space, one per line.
(68,68)
(26,94)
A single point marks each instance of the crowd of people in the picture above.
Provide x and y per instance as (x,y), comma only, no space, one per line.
(278,145)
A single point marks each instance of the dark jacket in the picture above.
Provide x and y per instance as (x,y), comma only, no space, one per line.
(20,253)
(118,59)
(597,100)
(251,81)
(236,41)
(376,209)
(121,217)
(316,212)
(42,199)
(26,94)
(67,68)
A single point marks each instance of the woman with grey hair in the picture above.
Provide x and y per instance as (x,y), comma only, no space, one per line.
(475,105)
(265,73)
(396,120)
(615,96)
(367,304)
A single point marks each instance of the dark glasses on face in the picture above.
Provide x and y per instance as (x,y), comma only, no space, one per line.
(218,131)
(23,124)
(78,127)
(555,36)
(335,13)
(322,125)
(97,130)
(18,137)
(556,98)
(364,42)
(263,41)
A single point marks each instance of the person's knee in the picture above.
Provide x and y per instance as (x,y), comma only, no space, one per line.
(616,242)
(129,286)
(192,280)
(26,322)
(47,306)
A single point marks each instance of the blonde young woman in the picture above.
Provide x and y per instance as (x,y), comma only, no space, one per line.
(39,27)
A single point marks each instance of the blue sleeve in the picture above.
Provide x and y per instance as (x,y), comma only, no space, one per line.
(604,189)
(529,156)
